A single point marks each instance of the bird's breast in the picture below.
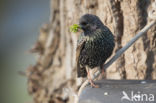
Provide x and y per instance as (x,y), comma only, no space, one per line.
(96,50)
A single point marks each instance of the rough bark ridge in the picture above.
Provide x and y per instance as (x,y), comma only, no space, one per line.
(55,67)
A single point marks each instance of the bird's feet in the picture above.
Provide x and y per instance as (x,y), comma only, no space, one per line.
(103,73)
(93,85)
(90,79)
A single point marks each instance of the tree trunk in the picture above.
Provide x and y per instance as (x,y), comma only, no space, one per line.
(56,46)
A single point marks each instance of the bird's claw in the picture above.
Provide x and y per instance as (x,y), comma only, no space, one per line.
(93,85)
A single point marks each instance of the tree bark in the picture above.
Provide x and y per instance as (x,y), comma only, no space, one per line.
(56,46)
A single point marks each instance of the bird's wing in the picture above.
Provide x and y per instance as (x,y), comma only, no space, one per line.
(81,71)
(80,45)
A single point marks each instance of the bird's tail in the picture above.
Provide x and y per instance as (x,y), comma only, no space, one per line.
(81,71)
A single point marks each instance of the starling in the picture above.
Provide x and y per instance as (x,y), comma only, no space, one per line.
(95,45)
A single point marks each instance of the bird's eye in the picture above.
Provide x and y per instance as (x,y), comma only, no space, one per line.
(84,23)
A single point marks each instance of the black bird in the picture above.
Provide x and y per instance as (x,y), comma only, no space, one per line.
(94,47)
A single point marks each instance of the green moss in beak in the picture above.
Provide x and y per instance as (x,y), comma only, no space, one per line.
(74,28)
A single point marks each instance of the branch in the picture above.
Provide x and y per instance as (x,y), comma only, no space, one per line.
(122,50)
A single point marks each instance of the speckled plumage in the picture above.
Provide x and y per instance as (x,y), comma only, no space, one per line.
(95,44)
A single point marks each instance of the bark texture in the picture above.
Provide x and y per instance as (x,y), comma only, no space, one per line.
(55,68)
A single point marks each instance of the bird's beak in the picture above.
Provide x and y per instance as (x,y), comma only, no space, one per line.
(81,26)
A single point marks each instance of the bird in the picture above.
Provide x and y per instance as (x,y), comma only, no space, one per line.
(94,46)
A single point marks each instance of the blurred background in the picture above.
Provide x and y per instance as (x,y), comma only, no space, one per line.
(20,21)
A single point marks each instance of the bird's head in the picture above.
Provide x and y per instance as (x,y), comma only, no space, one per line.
(89,23)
